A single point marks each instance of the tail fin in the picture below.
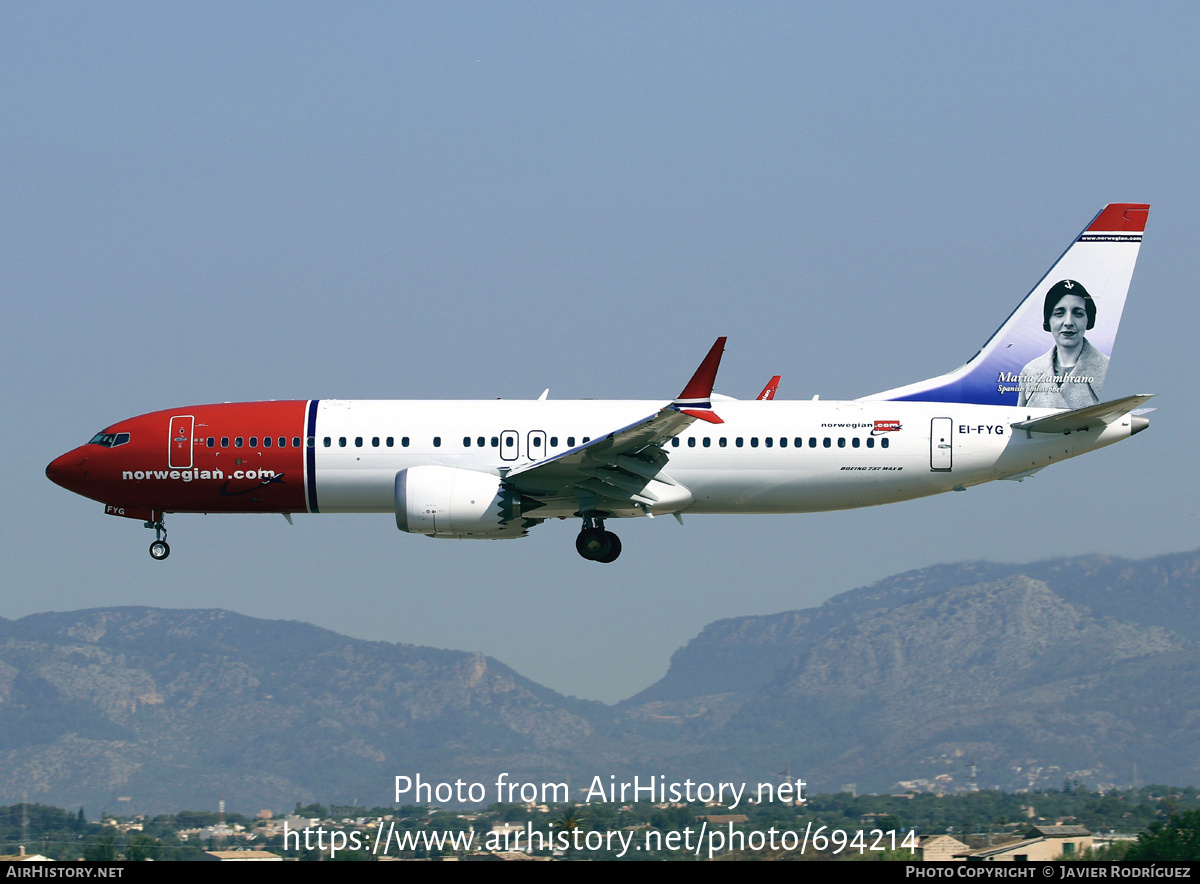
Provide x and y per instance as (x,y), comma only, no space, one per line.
(1022,363)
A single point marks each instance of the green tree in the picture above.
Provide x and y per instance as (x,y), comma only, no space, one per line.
(142,847)
(100,850)
(1178,838)
(569,822)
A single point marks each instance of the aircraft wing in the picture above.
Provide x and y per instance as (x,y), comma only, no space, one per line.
(1079,419)
(631,441)
(626,460)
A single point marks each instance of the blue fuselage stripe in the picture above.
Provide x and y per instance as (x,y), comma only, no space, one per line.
(310,454)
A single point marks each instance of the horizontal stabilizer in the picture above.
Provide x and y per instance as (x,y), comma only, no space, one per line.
(1080,419)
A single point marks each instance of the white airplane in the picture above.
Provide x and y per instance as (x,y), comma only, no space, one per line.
(494,469)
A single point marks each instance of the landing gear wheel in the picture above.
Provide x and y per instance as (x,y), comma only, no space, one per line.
(158,549)
(593,544)
(614,549)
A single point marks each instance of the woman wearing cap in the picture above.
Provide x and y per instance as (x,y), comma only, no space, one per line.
(1072,373)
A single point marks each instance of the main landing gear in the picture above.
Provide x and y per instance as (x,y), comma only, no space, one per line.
(159,549)
(596,544)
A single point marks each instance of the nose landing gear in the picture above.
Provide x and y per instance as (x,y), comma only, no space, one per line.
(159,549)
(594,543)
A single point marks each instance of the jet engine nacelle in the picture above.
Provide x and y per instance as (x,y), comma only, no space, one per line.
(452,502)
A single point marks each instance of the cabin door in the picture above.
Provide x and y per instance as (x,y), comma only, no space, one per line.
(180,446)
(941,445)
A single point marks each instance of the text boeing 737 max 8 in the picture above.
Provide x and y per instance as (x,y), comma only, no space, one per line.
(494,469)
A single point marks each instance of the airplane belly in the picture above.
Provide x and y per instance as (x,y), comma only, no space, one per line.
(812,488)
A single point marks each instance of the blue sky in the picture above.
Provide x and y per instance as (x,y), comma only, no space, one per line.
(212,202)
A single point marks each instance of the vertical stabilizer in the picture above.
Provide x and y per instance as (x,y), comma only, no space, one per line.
(1053,350)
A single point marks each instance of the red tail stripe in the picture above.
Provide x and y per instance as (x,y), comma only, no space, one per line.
(1124,217)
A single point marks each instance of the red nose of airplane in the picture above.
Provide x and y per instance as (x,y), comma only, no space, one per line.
(70,470)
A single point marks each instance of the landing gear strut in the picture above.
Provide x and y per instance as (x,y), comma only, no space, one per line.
(594,543)
(159,549)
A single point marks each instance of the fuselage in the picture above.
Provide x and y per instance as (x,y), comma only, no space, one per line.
(495,468)
(766,457)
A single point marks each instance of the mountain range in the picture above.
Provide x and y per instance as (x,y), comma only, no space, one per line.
(1021,676)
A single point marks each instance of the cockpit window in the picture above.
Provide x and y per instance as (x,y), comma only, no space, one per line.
(109,440)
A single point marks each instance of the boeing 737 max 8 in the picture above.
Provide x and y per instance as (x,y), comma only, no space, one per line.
(494,469)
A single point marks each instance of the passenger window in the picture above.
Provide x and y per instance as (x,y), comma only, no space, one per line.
(537,441)
(812,442)
(769,441)
(358,441)
(495,441)
(738,442)
(341,441)
(753,441)
(509,441)
(883,443)
(798,442)
(374,441)
(691,441)
(870,442)
(253,441)
(828,443)
(437,441)
(479,441)
(841,442)
(466,441)
(855,441)
(783,441)
(403,441)
(224,441)
(210,442)
(722,442)
(237,442)
(707,442)
(587,439)
(570,441)
(553,441)
(675,442)
(390,441)
(267,442)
